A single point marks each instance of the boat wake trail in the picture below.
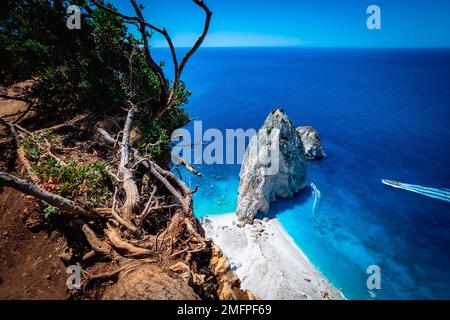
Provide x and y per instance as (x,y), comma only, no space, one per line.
(316,194)
(435,193)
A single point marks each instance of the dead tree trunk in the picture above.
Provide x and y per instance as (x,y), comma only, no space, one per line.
(129,184)
(55,200)
(169,96)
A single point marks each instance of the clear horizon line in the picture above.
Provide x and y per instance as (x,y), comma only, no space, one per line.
(312,47)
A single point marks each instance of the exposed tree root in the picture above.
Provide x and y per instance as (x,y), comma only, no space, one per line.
(125,248)
(151,217)
(96,244)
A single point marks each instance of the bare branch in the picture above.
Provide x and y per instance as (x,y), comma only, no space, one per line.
(200,40)
(189,54)
(168,97)
(18,98)
(62,125)
(21,152)
(188,167)
(141,24)
(51,198)
(185,205)
(106,136)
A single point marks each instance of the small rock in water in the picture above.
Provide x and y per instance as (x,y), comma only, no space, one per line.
(311,142)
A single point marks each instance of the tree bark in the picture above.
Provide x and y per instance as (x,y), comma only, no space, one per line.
(129,184)
(51,198)
(168,95)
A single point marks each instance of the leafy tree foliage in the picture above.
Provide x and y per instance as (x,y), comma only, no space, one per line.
(95,68)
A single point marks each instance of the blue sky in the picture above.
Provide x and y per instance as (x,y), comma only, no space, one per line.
(312,23)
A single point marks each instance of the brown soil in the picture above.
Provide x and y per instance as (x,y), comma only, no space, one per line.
(11,106)
(30,267)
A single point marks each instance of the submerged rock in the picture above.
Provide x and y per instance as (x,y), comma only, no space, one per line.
(311,142)
(274,166)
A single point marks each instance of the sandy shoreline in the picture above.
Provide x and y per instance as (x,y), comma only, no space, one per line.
(267,260)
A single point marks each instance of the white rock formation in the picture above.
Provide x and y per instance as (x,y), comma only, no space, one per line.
(311,142)
(274,166)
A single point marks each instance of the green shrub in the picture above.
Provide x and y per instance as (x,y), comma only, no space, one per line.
(82,181)
(88,68)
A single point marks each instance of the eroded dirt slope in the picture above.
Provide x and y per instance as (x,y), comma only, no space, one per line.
(30,266)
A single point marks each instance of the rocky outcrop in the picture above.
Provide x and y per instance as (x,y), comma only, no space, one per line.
(229,283)
(274,166)
(311,143)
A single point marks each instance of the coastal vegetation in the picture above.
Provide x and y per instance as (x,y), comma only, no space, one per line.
(91,143)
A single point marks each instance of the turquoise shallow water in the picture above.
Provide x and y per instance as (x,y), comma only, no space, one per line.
(381,114)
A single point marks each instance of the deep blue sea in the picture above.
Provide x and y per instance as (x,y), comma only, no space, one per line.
(381,113)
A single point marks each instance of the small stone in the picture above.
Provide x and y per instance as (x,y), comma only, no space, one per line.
(65,256)
(259,230)
(33,224)
(240,225)
(304,295)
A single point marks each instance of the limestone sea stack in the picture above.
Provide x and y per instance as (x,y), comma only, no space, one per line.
(274,166)
(311,143)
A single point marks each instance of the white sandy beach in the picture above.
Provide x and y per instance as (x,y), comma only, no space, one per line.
(267,260)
